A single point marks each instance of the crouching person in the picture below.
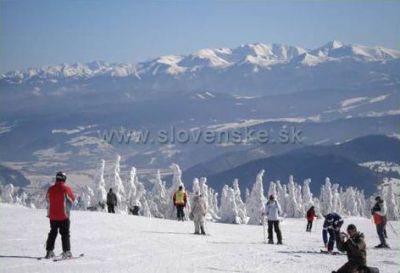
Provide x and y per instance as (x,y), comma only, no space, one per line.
(354,245)
(198,213)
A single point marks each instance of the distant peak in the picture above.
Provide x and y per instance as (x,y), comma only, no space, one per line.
(334,44)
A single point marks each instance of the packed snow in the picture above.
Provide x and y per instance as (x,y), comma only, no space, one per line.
(123,243)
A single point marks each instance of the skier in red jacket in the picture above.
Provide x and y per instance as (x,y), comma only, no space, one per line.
(59,202)
(310,218)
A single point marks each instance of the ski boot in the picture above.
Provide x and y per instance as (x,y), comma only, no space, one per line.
(66,254)
(271,242)
(279,243)
(49,254)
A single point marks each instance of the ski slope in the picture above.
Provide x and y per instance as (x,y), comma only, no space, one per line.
(122,243)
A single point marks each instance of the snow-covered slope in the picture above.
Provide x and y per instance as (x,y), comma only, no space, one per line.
(121,243)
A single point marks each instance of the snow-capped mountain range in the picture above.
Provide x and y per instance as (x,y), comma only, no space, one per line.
(56,114)
(256,56)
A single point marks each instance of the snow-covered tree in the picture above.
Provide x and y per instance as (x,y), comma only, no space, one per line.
(282,195)
(228,209)
(292,207)
(213,209)
(350,204)
(256,200)
(101,193)
(159,197)
(241,206)
(247,195)
(7,193)
(326,197)
(307,195)
(196,185)
(132,188)
(272,189)
(392,206)
(362,204)
(336,200)
(176,182)
(118,186)
(86,198)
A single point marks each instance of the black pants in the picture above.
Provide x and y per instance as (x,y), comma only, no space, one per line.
(309,226)
(110,208)
(63,227)
(274,225)
(332,238)
(179,212)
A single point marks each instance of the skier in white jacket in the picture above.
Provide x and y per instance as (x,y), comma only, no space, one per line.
(198,213)
(272,211)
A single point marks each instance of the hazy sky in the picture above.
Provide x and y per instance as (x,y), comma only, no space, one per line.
(35,33)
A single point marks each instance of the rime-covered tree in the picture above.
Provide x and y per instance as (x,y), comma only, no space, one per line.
(272,189)
(196,185)
(350,204)
(326,198)
(281,195)
(241,206)
(307,195)
(247,195)
(292,206)
(176,182)
(256,200)
(86,198)
(101,193)
(336,200)
(118,186)
(7,193)
(392,206)
(158,201)
(228,209)
(213,209)
(132,189)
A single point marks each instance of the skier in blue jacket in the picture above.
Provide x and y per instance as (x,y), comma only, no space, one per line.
(332,225)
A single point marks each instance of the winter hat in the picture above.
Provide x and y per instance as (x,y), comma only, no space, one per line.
(351,227)
(271,197)
(60,176)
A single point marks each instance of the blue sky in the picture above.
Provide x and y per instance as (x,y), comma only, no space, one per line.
(35,33)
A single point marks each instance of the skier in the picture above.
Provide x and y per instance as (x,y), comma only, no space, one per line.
(332,224)
(198,213)
(354,245)
(59,202)
(111,201)
(379,213)
(272,211)
(310,218)
(180,199)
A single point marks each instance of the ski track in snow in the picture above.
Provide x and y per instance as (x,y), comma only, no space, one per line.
(122,243)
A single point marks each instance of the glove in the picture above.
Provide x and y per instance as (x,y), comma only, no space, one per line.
(343,236)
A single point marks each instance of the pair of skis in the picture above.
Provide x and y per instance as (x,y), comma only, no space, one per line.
(60,258)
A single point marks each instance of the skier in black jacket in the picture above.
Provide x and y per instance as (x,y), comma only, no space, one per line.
(332,225)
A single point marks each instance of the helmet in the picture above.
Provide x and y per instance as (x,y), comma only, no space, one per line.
(61,176)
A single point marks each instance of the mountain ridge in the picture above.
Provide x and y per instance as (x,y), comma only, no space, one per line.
(256,54)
